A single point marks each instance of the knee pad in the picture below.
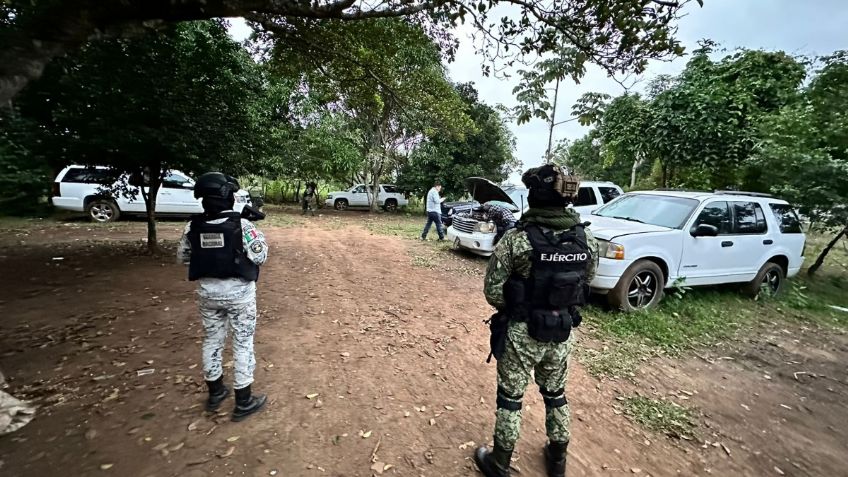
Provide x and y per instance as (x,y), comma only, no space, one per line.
(508,401)
(553,399)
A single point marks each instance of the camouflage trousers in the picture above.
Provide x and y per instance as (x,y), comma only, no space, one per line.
(239,314)
(549,364)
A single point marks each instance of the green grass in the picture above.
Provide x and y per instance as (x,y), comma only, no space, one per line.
(615,359)
(660,416)
(402,226)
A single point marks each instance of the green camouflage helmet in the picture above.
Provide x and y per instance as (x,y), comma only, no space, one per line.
(551,178)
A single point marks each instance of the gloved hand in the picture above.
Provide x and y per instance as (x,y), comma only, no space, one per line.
(576,318)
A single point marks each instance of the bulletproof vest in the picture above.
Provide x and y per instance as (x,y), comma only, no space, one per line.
(557,278)
(217,250)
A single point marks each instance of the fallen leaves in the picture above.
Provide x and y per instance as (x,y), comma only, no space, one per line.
(232,438)
(312,396)
(193,425)
(227,453)
(106,466)
(365,434)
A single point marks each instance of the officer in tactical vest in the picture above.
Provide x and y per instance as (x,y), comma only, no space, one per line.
(537,278)
(224,252)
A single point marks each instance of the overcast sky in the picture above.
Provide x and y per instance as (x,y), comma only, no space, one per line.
(811,27)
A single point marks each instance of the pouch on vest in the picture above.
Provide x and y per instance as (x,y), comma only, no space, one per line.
(549,326)
(567,290)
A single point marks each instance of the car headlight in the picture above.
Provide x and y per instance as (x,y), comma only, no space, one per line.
(484,227)
(611,250)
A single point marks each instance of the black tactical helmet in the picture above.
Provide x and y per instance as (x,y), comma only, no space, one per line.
(550,185)
(215,185)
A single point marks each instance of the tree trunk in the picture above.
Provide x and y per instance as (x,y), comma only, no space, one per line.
(374,191)
(552,124)
(150,205)
(820,260)
(297,193)
(636,164)
(664,176)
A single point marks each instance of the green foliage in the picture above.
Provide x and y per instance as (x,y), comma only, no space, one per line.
(659,415)
(487,151)
(803,150)
(24,177)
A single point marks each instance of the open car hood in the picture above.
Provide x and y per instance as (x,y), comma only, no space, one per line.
(483,190)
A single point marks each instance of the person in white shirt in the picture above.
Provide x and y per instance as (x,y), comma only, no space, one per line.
(434,211)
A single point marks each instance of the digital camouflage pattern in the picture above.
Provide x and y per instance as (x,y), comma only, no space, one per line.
(549,363)
(229,302)
(523,354)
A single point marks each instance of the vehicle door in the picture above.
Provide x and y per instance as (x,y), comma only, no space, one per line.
(608,193)
(705,260)
(359,196)
(176,196)
(752,239)
(587,201)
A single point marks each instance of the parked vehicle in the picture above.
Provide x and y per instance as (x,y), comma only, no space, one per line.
(471,231)
(82,189)
(654,240)
(389,198)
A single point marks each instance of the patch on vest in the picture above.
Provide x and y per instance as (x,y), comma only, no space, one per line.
(256,247)
(212,240)
(565,257)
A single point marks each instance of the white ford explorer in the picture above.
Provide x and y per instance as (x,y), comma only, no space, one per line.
(654,240)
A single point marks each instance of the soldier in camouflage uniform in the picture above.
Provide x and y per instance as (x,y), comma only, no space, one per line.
(224,252)
(534,278)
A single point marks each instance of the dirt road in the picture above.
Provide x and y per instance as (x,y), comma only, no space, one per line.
(372,365)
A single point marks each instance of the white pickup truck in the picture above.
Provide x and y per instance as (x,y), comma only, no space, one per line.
(389,198)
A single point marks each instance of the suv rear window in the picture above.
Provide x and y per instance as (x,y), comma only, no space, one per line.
(390,189)
(748,218)
(585,196)
(88,175)
(787,219)
(609,193)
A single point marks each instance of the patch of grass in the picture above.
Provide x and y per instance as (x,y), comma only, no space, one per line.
(701,317)
(614,360)
(423,261)
(395,226)
(661,416)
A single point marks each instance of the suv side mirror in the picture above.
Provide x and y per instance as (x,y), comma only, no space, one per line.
(705,230)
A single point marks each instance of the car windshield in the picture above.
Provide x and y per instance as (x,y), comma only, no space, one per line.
(518,196)
(662,210)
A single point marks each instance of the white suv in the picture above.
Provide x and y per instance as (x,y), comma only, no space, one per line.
(659,239)
(81,189)
(389,198)
(471,231)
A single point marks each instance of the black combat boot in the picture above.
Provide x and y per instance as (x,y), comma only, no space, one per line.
(247,404)
(555,453)
(217,393)
(495,462)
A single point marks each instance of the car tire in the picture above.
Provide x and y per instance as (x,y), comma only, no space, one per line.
(340,204)
(103,211)
(769,279)
(639,288)
(390,205)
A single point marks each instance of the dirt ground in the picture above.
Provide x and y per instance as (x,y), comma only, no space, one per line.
(373,365)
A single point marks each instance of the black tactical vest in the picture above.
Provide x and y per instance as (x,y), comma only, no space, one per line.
(557,281)
(217,250)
